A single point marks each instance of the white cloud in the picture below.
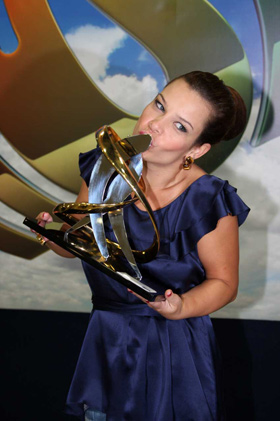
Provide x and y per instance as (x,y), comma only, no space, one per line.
(93,45)
(128,92)
(48,282)
(144,56)
(256,173)
(247,307)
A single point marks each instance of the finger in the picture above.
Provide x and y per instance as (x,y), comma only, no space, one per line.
(168,294)
(40,215)
(172,299)
(163,302)
(138,296)
(160,298)
(43,218)
(47,217)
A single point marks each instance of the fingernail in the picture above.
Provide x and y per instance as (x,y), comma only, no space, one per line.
(147,302)
(169,294)
(129,290)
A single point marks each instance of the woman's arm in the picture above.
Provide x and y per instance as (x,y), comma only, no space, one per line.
(219,254)
(44,217)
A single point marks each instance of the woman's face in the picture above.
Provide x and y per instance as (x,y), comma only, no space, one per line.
(174,119)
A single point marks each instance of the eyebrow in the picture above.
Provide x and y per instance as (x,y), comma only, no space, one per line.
(181,118)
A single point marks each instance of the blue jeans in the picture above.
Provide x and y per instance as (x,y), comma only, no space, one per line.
(91,415)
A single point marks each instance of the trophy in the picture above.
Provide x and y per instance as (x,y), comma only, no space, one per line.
(114,184)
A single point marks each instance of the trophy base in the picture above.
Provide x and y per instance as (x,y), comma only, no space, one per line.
(122,277)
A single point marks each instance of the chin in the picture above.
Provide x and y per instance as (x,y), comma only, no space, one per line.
(147,152)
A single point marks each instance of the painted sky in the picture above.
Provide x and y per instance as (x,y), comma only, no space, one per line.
(125,62)
(120,66)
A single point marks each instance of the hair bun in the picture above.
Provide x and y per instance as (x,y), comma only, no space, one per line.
(239,117)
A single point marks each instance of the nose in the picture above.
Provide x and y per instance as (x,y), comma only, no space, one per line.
(155,125)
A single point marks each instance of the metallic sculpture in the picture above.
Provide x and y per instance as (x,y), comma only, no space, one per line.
(113,185)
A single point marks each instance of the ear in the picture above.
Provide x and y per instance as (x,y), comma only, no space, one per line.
(201,150)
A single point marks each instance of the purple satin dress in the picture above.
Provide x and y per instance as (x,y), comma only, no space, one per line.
(134,364)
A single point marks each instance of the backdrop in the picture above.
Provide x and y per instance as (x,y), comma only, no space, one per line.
(69,66)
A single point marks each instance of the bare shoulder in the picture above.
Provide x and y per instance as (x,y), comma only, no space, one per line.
(225,233)
(219,249)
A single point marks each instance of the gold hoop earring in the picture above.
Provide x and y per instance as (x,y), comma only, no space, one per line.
(188,163)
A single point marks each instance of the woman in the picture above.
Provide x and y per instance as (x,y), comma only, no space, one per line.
(158,361)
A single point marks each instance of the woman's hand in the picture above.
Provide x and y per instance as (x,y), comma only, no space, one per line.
(169,305)
(43,218)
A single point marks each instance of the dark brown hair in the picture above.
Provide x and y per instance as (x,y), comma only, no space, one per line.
(228,118)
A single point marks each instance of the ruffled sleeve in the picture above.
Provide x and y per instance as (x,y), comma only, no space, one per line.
(87,161)
(207,201)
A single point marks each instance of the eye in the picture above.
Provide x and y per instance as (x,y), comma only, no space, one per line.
(159,105)
(181,127)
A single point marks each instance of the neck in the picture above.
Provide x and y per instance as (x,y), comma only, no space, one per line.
(156,178)
(163,185)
